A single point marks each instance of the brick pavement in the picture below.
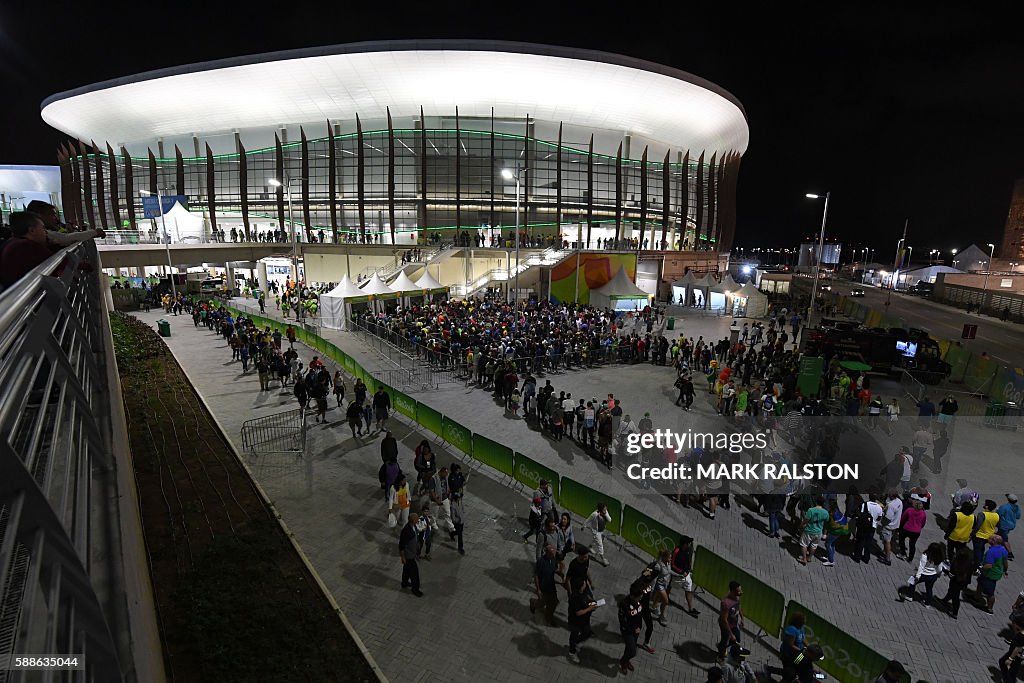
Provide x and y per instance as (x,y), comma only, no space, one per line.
(859,598)
(474,622)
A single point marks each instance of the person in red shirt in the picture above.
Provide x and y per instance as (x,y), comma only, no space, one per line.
(26,249)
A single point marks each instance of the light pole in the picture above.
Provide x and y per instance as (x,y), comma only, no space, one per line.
(817,270)
(991,256)
(509,174)
(287,184)
(167,238)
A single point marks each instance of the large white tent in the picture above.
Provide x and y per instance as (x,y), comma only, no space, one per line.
(404,286)
(375,286)
(428,282)
(181,224)
(619,294)
(334,307)
(682,290)
(704,286)
(750,301)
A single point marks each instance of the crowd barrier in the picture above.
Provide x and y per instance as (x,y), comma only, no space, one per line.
(762,604)
(847,659)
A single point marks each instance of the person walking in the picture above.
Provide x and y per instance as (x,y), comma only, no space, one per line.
(458,518)
(911,523)
(581,606)
(597,523)
(811,530)
(354,415)
(838,528)
(985,525)
(381,407)
(319,394)
(400,500)
(1009,515)
(545,586)
(682,568)
(408,549)
(1010,663)
(993,569)
(730,619)
(339,387)
(961,568)
(928,571)
(536,519)
(867,521)
(389,448)
(959,528)
(630,620)
(892,516)
(547,500)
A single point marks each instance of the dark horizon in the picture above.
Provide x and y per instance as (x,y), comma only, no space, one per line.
(897,115)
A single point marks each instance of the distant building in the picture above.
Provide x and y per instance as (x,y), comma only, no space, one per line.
(973,258)
(809,256)
(1012,247)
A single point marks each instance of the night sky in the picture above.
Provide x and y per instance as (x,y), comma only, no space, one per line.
(898,114)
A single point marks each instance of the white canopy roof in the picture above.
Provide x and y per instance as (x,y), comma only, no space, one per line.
(685,280)
(706,281)
(344,290)
(181,223)
(402,283)
(376,286)
(621,287)
(427,281)
(586,88)
(726,285)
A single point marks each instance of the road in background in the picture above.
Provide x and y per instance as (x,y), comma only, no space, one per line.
(1003,341)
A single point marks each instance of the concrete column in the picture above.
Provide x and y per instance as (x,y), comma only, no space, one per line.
(229,276)
(261,275)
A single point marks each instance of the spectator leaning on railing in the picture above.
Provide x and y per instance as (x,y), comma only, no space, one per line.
(57,234)
(28,246)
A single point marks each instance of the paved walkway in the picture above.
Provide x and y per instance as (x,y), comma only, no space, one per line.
(932,648)
(474,622)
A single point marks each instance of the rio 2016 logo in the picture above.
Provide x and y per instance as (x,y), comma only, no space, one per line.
(839,657)
(526,475)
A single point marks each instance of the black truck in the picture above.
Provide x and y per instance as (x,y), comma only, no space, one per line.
(887,351)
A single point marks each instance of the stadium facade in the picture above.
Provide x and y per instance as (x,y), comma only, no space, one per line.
(407,138)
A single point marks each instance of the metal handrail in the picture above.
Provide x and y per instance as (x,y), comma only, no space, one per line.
(54,451)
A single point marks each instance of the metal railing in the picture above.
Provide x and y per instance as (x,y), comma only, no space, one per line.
(385,272)
(548,257)
(54,449)
(279,433)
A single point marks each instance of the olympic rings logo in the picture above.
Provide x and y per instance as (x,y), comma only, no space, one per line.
(456,436)
(653,538)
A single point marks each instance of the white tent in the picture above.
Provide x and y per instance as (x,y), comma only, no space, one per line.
(619,294)
(428,282)
(704,286)
(334,308)
(181,224)
(375,286)
(749,301)
(402,283)
(726,285)
(682,290)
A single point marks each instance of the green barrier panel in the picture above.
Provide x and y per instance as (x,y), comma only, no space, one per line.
(646,533)
(457,435)
(403,404)
(429,418)
(762,604)
(350,365)
(529,472)
(846,659)
(583,500)
(492,454)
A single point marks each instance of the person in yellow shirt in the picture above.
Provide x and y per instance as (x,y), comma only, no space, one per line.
(959,529)
(985,524)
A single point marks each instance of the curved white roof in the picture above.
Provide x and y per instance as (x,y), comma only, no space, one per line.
(578,87)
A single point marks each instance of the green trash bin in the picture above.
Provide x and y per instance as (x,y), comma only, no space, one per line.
(164,327)
(995,414)
(671,323)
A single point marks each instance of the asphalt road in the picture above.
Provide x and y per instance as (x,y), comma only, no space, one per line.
(1003,341)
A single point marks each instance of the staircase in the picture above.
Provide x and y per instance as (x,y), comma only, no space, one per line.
(385,272)
(548,257)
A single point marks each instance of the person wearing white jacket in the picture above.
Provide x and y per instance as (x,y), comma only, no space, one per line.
(928,571)
(597,523)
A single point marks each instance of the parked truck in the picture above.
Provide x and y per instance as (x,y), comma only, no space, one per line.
(887,351)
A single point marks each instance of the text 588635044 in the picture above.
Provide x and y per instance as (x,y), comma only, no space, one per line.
(52,662)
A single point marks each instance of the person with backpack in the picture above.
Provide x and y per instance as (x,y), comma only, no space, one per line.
(992,570)
(837,527)
(868,518)
(354,415)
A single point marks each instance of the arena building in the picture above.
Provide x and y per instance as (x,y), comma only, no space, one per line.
(398,138)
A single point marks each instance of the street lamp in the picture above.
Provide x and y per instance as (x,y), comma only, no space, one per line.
(287,184)
(817,270)
(167,238)
(991,256)
(509,174)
